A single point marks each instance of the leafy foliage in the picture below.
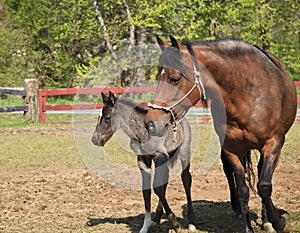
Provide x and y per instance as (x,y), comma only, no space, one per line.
(59,42)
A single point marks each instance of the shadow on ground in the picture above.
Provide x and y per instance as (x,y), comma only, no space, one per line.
(211,216)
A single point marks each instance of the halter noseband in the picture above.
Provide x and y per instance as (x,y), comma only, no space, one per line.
(197,83)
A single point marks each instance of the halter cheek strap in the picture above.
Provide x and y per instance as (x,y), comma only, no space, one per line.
(197,83)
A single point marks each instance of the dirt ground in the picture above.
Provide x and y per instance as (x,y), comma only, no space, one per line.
(65,198)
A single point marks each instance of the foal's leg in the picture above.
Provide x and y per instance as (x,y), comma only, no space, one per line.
(144,163)
(242,189)
(187,182)
(161,177)
(269,160)
(159,211)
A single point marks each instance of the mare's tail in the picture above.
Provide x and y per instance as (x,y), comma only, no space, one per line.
(250,176)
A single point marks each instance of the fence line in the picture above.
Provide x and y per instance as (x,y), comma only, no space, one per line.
(12,91)
(19,91)
(43,107)
(29,93)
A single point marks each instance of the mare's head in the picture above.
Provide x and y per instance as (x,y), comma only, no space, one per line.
(176,91)
(105,129)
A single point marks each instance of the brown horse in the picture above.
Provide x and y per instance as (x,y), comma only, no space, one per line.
(253,104)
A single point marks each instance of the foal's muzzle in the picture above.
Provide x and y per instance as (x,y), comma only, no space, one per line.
(96,141)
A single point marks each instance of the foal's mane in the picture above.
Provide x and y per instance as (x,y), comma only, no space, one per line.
(137,108)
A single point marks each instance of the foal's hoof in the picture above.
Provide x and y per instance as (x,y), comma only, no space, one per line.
(192,228)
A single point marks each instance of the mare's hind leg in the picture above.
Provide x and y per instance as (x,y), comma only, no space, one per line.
(144,163)
(161,177)
(187,182)
(266,225)
(267,165)
(242,191)
(227,168)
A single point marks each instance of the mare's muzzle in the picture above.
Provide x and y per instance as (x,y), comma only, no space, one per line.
(157,128)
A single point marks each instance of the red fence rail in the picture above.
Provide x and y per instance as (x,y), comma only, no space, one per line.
(43,107)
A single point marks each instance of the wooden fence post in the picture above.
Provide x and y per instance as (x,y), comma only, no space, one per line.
(31,99)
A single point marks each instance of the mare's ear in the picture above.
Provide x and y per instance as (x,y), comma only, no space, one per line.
(163,44)
(112,97)
(174,42)
(177,45)
(104,97)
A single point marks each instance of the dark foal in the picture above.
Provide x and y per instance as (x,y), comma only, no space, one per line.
(253,103)
(125,115)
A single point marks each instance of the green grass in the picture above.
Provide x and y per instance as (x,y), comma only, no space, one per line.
(29,150)
(17,120)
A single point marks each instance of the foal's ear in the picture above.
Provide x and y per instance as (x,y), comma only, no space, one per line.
(104,97)
(163,44)
(112,97)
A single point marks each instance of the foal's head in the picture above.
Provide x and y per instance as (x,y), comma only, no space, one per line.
(105,129)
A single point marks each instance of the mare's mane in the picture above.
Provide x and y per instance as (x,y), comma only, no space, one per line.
(228,47)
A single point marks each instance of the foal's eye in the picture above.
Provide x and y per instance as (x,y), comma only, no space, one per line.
(174,80)
(107,118)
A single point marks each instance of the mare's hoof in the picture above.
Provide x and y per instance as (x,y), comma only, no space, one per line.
(280,227)
(177,227)
(283,225)
(192,228)
(267,227)
(175,224)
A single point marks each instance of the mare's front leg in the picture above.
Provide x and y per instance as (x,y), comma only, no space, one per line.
(161,177)
(144,163)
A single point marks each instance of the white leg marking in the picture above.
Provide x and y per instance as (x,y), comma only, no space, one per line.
(192,228)
(147,222)
(267,226)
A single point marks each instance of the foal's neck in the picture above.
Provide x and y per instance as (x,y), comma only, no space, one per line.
(130,116)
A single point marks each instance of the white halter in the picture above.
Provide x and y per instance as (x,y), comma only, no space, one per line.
(197,83)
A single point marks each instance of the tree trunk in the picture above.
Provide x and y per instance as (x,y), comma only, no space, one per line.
(106,35)
(131,26)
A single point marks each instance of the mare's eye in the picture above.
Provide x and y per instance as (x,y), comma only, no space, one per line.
(174,80)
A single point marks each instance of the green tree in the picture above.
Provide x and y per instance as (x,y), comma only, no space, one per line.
(59,41)
(59,34)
